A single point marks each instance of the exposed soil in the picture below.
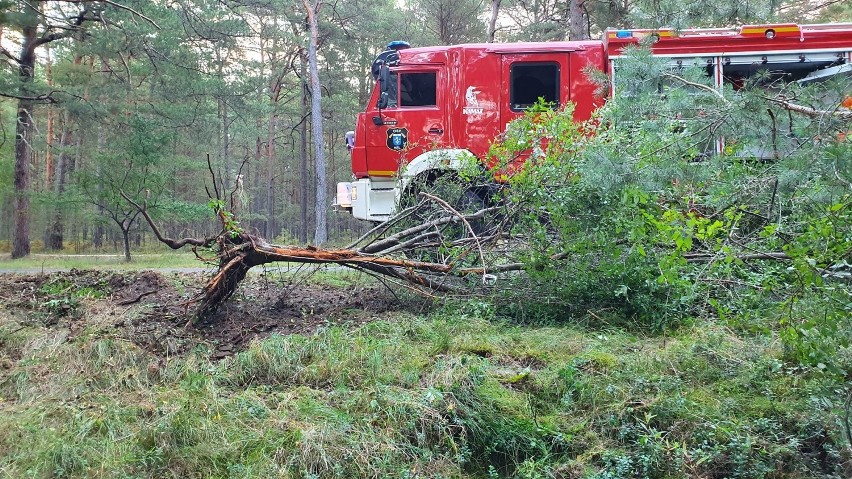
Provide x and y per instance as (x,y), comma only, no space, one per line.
(149,308)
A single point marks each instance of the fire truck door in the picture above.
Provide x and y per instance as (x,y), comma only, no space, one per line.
(413,122)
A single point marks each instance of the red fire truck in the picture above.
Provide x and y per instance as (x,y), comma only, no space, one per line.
(434,108)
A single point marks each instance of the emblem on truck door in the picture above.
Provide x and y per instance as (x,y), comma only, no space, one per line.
(397,138)
(472,107)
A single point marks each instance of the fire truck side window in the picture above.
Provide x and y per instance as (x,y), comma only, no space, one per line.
(392,91)
(531,81)
(418,89)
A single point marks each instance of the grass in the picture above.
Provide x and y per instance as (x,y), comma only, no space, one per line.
(160,261)
(457,393)
(50,262)
(282,272)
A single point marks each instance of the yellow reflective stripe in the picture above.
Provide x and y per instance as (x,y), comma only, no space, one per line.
(381,172)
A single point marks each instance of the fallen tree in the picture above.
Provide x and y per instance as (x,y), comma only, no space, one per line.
(632,220)
(430,246)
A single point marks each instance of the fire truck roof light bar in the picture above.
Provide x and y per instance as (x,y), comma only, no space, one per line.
(398,45)
(770,31)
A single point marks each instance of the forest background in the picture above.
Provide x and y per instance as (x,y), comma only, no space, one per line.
(134,96)
(674,317)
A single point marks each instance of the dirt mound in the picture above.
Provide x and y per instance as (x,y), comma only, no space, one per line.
(149,308)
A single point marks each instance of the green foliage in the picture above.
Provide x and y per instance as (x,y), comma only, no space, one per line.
(230,223)
(642,225)
(602,232)
(816,318)
(700,13)
(59,298)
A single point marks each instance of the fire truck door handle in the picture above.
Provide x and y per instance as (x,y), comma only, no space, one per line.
(436,130)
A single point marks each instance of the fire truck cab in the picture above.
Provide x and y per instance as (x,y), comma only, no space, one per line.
(435,108)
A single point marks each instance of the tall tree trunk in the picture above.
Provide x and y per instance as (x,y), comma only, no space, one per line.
(48,159)
(226,147)
(99,231)
(50,176)
(365,81)
(64,166)
(271,127)
(321,235)
(492,21)
(23,143)
(577,25)
(303,156)
(125,235)
(56,236)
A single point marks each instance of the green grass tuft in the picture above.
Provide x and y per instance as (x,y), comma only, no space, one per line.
(457,394)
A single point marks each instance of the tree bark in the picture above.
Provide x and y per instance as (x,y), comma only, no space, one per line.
(56,236)
(48,158)
(271,127)
(492,22)
(577,25)
(321,234)
(99,231)
(125,235)
(303,155)
(23,142)
(226,146)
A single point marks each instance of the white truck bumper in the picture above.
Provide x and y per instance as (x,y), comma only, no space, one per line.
(367,199)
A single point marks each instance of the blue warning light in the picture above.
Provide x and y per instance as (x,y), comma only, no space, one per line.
(398,45)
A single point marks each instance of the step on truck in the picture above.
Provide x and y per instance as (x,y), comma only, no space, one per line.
(435,108)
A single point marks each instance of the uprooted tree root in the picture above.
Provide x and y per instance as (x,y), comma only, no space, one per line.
(241,253)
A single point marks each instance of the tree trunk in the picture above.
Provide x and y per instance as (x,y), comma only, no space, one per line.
(321,235)
(577,25)
(49,173)
(492,22)
(125,234)
(226,148)
(256,180)
(271,130)
(56,235)
(271,127)
(303,156)
(99,231)
(23,144)
(48,158)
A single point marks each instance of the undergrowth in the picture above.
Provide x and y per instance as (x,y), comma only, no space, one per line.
(459,393)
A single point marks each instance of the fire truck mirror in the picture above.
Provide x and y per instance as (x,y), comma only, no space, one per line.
(384,79)
(383,100)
